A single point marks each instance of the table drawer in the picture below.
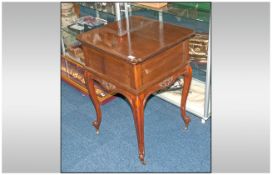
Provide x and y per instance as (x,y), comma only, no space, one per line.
(107,65)
(163,63)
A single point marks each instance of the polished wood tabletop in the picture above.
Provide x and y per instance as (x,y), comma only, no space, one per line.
(144,38)
(136,57)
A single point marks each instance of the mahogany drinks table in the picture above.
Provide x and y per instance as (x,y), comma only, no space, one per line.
(136,57)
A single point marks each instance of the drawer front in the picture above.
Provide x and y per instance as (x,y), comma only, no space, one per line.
(94,59)
(107,65)
(117,70)
(164,63)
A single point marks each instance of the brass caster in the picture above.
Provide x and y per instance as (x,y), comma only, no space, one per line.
(95,125)
(141,157)
(187,120)
(143,162)
(97,132)
(184,128)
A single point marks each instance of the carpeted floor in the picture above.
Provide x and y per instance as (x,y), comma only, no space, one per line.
(168,147)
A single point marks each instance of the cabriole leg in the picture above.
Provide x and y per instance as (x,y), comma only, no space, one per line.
(185,91)
(138,115)
(92,94)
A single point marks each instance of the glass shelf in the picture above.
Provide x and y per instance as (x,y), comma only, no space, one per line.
(69,38)
(188,17)
(73,59)
(105,8)
(69,31)
(93,9)
(170,8)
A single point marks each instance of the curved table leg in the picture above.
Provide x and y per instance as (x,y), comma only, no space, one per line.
(137,107)
(92,94)
(185,91)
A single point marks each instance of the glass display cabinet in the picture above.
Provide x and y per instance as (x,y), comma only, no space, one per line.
(78,18)
(89,15)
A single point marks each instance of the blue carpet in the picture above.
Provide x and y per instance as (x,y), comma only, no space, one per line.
(168,147)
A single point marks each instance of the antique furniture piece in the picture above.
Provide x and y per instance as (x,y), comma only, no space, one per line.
(136,57)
